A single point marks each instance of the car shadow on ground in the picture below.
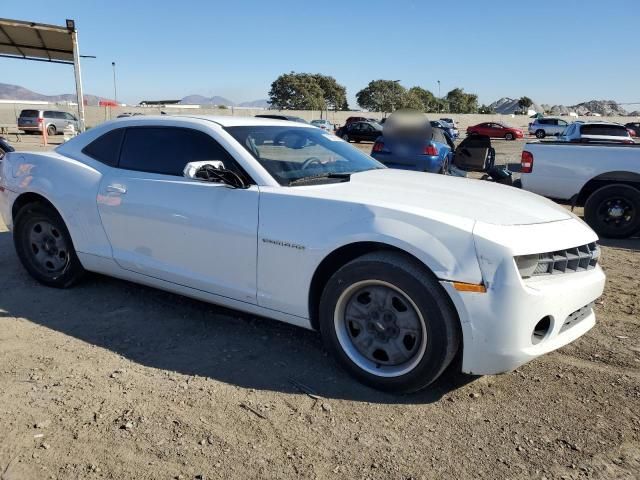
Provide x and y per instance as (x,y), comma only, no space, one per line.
(174,333)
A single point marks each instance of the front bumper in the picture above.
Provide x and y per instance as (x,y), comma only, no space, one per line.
(498,326)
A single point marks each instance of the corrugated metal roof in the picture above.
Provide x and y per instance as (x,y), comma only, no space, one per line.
(35,41)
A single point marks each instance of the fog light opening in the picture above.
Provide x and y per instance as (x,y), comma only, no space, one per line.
(541,329)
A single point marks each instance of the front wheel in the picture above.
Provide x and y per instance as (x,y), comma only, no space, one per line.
(388,322)
(614,211)
(44,246)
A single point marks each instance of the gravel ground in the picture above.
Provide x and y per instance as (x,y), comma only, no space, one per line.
(114,380)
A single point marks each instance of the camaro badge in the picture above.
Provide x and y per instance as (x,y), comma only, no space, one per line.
(284,244)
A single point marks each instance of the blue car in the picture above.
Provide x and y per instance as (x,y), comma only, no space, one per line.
(430,155)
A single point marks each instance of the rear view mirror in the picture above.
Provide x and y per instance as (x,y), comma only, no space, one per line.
(191,169)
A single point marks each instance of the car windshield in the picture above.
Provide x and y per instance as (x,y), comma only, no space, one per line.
(293,154)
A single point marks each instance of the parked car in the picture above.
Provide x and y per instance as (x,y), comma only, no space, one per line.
(290,118)
(543,127)
(450,121)
(360,132)
(5,147)
(495,130)
(431,155)
(129,114)
(447,127)
(359,119)
(399,271)
(53,120)
(635,127)
(604,177)
(596,131)
(323,124)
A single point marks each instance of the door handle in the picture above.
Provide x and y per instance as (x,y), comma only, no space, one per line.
(116,188)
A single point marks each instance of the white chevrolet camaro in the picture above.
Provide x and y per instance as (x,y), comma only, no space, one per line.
(399,271)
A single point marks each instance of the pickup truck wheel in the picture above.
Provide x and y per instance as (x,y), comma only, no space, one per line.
(540,134)
(508,136)
(614,211)
(388,322)
(44,246)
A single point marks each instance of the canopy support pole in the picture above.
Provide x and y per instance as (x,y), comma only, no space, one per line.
(76,69)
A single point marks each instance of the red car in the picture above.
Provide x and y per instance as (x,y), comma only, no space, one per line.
(495,130)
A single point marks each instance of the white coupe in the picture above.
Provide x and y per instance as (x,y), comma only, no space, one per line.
(399,271)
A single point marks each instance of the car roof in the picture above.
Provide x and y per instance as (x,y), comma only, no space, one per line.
(222,120)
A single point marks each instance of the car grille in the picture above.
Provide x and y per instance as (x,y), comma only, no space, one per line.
(576,317)
(584,257)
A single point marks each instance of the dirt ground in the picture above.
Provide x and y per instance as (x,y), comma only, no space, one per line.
(117,381)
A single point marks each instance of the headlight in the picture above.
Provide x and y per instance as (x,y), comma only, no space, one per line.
(577,259)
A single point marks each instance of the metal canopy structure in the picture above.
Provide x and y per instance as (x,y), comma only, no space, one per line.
(44,43)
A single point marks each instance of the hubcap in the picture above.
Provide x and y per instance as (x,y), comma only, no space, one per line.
(616,212)
(380,328)
(48,248)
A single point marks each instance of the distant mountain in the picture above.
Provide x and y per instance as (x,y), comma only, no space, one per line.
(606,108)
(202,100)
(217,100)
(508,106)
(15,92)
(263,103)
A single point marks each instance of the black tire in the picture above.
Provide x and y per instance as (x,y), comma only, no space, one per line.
(613,211)
(416,288)
(509,136)
(540,133)
(51,130)
(44,260)
(346,138)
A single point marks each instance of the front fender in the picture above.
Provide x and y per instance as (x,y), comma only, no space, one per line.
(292,245)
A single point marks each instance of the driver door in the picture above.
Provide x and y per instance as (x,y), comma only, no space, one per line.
(198,234)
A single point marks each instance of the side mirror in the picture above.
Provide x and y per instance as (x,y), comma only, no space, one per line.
(191,169)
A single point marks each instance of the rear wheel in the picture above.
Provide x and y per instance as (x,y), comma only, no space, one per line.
(614,211)
(44,246)
(509,136)
(51,130)
(388,322)
(540,134)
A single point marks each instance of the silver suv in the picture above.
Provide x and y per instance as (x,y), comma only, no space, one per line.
(54,121)
(541,127)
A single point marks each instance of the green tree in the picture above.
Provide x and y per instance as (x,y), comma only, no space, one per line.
(382,96)
(485,109)
(334,94)
(427,99)
(296,91)
(460,102)
(524,103)
(412,100)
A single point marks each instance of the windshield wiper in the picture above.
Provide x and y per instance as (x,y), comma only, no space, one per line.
(312,178)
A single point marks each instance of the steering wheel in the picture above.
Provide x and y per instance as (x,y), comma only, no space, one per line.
(310,162)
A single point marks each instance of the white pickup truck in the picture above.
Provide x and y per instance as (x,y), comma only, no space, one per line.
(603,177)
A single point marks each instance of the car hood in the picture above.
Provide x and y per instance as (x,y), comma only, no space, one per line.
(436,195)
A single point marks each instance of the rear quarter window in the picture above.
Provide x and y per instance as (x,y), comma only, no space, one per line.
(609,130)
(106,149)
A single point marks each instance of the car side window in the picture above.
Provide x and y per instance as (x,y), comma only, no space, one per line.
(106,148)
(167,150)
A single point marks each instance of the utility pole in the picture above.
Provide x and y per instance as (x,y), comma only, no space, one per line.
(439,97)
(115,90)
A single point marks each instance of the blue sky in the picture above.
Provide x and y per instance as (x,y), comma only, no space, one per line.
(554,52)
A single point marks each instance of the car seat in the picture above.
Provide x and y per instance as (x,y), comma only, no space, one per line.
(474,154)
